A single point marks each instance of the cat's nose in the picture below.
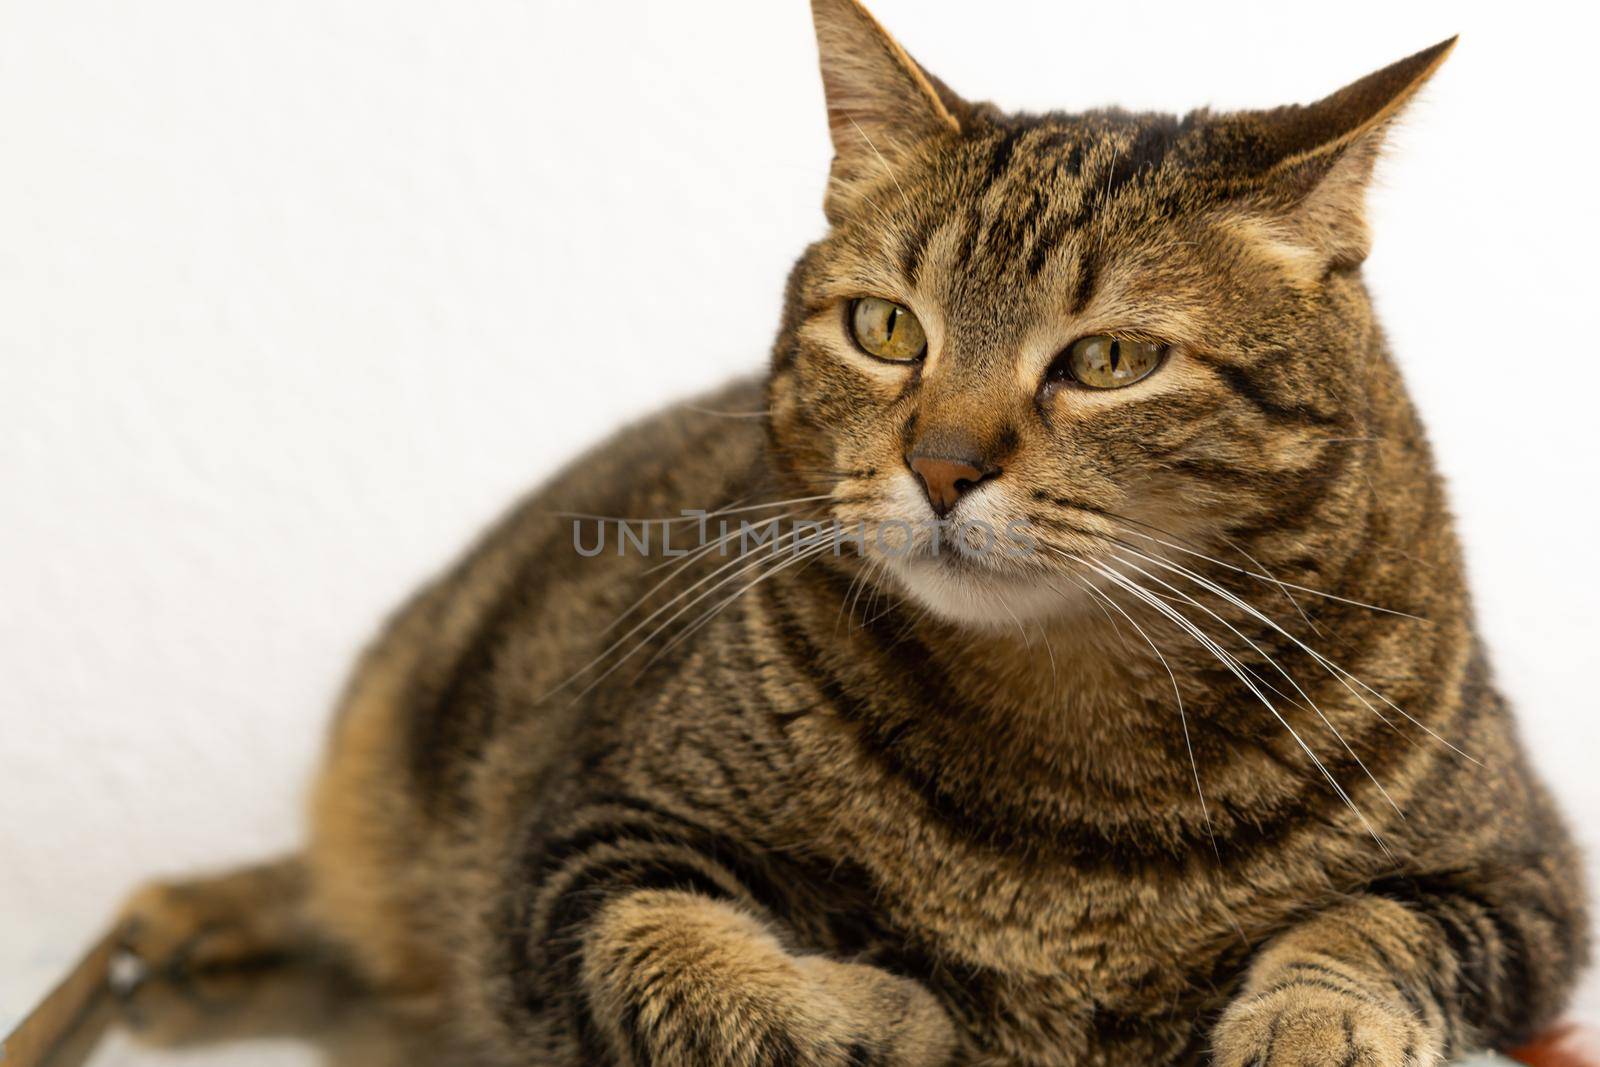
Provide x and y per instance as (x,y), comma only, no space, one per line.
(945,478)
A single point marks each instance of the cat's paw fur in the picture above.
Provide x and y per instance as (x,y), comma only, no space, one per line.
(1305,1025)
(686,980)
(212,923)
(170,928)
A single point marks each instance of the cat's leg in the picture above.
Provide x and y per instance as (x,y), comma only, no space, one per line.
(674,977)
(1425,971)
(248,916)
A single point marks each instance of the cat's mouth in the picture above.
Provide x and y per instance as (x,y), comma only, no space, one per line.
(981,564)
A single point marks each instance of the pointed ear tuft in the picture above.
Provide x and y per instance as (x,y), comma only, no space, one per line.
(1317,161)
(880,102)
(1361,108)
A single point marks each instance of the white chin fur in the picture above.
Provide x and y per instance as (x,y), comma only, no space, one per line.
(976,598)
(971,595)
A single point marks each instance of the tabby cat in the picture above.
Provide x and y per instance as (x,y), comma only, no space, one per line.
(1157,732)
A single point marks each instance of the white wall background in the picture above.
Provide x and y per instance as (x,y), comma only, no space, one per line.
(295,296)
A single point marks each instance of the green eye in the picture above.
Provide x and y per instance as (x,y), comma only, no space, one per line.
(1105,362)
(887,330)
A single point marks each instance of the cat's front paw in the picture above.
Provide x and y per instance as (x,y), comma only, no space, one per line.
(1306,1025)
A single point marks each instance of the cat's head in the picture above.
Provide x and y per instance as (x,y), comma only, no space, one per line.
(1059,333)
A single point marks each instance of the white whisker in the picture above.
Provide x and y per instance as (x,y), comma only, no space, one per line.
(1233,664)
(728,414)
(885,163)
(1276,581)
(1312,704)
(1333,668)
(774,546)
(806,554)
(696,517)
(1183,716)
(681,564)
(1049,651)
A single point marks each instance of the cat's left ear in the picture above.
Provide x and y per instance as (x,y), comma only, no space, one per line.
(881,103)
(1319,158)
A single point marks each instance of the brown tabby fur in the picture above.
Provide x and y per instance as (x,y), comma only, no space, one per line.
(862,816)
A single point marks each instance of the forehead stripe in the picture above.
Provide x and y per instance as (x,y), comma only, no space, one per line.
(1000,158)
(915,246)
(1131,150)
(1083,291)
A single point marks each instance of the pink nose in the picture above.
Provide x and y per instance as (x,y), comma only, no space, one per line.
(945,480)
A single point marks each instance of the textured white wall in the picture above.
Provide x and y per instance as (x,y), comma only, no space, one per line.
(295,296)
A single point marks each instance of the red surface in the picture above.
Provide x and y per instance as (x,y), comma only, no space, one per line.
(1565,1046)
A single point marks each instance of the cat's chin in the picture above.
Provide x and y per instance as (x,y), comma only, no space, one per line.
(979,596)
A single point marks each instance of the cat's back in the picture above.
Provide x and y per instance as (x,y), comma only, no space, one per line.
(500,642)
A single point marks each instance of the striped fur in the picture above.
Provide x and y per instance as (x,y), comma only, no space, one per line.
(834,813)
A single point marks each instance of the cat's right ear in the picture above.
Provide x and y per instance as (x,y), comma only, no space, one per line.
(881,104)
(1316,162)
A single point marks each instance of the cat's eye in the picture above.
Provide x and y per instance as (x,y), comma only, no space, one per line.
(887,330)
(1106,362)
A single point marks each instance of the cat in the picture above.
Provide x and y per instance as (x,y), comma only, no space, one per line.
(1158,732)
